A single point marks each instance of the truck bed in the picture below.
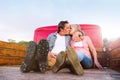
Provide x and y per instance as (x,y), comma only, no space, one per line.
(13,73)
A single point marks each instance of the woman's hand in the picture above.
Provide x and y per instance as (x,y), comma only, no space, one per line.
(98,65)
(53,55)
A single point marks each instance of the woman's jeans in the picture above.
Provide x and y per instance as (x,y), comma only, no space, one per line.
(85,61)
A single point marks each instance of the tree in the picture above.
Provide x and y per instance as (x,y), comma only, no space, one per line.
(24,43)
(105,41)
(11,41)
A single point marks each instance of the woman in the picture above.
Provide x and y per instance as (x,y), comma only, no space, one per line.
(83,46)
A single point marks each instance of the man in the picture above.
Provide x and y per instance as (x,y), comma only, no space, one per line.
(36,55)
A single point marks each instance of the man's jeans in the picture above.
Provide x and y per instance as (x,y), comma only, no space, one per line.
(85,61)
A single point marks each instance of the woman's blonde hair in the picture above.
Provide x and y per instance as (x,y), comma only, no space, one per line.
(77,28)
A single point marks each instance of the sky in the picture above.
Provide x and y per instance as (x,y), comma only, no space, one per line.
(19,18)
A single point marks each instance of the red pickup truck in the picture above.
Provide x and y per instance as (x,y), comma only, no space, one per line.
(93,31)
(106,58)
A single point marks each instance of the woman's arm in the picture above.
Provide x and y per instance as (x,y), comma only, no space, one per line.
(94,53)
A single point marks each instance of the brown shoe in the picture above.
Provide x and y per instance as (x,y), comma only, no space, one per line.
(69,66)
(29,62)
(74,61)
(60,60)
(42,55)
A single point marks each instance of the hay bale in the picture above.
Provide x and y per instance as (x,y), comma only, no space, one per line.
(11,54)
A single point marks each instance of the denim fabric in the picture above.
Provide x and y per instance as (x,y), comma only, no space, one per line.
(85,61)
(53,36)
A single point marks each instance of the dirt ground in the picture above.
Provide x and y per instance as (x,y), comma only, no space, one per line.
(13,73)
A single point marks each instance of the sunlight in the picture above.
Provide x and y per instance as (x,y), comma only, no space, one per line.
(110,33)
